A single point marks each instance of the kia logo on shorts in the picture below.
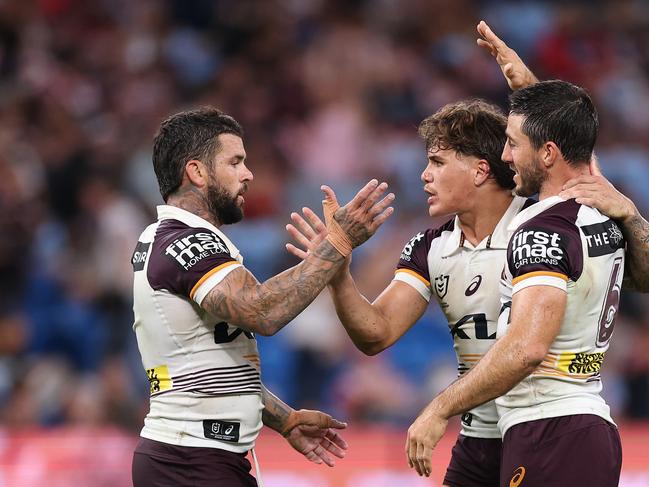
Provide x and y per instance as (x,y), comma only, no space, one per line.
(473,287)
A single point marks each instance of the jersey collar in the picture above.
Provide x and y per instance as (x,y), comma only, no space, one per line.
(532,211)
(499,238)
(168,212)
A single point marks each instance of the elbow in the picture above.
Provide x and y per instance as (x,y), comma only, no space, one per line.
(533,355)
(372,348)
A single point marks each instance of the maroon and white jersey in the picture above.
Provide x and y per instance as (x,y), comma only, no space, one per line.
(204,374)
(574,248)
(464,280)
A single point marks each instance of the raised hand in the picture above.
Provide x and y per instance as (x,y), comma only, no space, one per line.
(517,74)
(307,231)
(314,435)
(358,220)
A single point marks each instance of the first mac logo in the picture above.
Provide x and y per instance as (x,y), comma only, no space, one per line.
(189,250)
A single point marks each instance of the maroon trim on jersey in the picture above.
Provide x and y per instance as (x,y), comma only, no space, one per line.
(549,242)
(414,256)
(181,255)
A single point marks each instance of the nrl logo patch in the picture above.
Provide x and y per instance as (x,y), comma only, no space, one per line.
(441,286)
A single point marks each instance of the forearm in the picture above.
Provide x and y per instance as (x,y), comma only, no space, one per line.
(363,322)
(266,308)
(276,412)
(505,365)
(636,232)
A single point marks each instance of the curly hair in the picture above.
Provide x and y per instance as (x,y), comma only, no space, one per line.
(471,128)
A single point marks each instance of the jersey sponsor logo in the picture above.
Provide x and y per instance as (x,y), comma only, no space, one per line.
(159,379)
(611,304)
(441,286)
(603,238)
(191,249)
(517,478)
(407,250)
(467,419)
(473,286)
(481,326)
(139,256)
(215,429)
(581,363)
(536,247)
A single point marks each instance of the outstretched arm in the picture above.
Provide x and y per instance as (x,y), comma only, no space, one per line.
(372,326)
(596,191)
(517,74)
(537,314)
(242,301)
(312,433)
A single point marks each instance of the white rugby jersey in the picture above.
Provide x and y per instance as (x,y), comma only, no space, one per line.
(464,280)
(204,374)
(575,248)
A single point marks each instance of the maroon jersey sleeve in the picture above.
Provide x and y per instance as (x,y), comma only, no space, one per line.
(547,246)
(414,256)
(181,256)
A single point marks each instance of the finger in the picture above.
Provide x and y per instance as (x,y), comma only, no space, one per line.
(298,236)
(315,220)
(311,456)
(489,35)
(329,193)
(334,423)
(300,254)
(594,167)
(334,449)
(336,439)
(411,451)
(381,205)
(303,225)
(322,454)
(487,45)
(421,459)
(380,219)
(362,195)
(374,196)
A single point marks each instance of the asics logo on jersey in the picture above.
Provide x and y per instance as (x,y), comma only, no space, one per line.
(536,246)
(407,250)
(473,286)
(519,475)
(189,250)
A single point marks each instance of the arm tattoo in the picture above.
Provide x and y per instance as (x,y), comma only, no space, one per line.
(636,232)
(266,308)
(276,412)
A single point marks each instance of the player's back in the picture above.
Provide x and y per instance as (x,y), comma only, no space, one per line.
(573,247)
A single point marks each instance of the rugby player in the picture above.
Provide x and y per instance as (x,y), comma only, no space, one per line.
(457,264)
(197,310)
(560,291)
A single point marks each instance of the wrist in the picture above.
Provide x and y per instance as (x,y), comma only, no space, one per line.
(291,422)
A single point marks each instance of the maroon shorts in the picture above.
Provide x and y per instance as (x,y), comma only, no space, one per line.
(157,464)
(582,449)
(475,462)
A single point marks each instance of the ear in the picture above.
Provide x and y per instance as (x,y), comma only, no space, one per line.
(482,172)
(550,154)
(196,172)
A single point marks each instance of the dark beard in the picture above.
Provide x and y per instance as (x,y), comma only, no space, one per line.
(533,179)
(222,206)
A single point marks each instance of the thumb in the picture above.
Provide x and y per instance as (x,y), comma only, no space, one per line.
(330,195)
(593,165)
(508,70)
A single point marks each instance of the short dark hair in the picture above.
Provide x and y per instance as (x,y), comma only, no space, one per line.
(185,136)
(472,128)
(560,112)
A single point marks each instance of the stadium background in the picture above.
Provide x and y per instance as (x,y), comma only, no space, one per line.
(328,92)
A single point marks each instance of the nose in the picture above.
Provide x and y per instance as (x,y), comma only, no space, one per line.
(506,156)
(247,174)
(427,175)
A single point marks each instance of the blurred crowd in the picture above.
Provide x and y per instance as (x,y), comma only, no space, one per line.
(327,92)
